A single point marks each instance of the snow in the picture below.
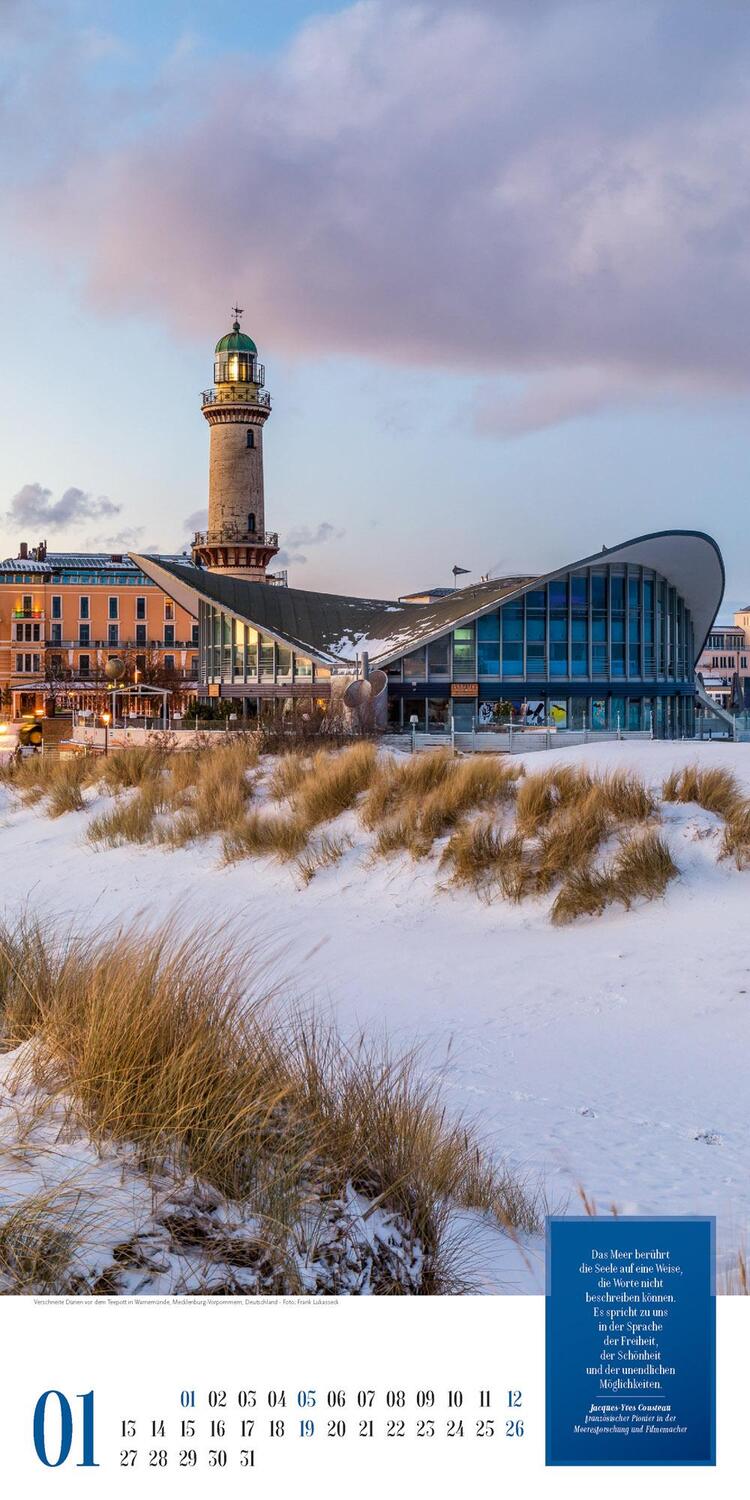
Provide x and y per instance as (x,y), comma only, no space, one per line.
(137,1234)
(609,1056)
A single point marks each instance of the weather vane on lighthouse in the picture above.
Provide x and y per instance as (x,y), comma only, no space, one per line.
(238,311)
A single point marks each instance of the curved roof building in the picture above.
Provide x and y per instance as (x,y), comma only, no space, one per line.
(609,641)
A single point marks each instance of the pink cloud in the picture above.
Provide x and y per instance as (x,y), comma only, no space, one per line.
(489,187)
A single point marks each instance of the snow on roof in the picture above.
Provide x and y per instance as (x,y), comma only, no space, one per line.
(334,629)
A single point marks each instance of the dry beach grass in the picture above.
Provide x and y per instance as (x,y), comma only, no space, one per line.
(504,831)
(155,1042)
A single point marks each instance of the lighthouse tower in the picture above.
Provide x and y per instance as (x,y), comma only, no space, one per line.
(236,408)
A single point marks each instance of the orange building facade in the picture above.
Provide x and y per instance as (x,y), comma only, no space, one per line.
(64,615)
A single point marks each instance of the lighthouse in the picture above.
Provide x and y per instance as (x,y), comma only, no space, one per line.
(236,408)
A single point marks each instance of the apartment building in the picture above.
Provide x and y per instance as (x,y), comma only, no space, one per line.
(63,615)
(723,663)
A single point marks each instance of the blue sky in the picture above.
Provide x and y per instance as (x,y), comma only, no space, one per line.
(502,323)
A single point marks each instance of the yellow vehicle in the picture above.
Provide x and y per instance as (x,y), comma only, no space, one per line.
(30,731)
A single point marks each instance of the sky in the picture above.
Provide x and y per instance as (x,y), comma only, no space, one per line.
(495,256)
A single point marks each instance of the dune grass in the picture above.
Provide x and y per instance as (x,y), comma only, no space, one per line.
(718,791)
(131,766)
(38,1237)
(333,783)
(398,781)
(322,855)
(642,869)
(483,857)
(736,837)
(711,787)
(131,819)
(289,771)
(257,834)
(563,817)
(156,1042)
(411,809)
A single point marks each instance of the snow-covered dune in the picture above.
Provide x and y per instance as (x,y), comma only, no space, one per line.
(610,1054)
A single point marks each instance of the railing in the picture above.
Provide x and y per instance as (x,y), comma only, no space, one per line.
(232,538)
(27,614)
(211,397)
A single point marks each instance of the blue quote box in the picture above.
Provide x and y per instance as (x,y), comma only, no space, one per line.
(631,1341)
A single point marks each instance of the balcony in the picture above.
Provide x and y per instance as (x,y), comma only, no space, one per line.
(27,614)
(236,538)
(211,397)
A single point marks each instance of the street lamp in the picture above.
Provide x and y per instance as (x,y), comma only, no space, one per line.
(105,721)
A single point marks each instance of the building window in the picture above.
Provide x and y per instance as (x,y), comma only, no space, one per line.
(250,438)
(140,607)
(168,609)
(251,523)
(169,635)
(415,666)
(463,652)
(488,645)
(140,635)
(84,635)
(195,636)
(27,604)
(113,635)
(57,606)
(193,666)
(113,609)
(169,664)
(439,658)
(512,616)
(266,659)
(83,607)
(84,666)
(55,634)
(19,661)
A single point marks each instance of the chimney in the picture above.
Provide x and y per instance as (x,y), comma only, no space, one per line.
(23,550)
(41,551)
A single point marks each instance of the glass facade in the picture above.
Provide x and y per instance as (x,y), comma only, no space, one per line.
(597,648)
(601,648)
(233,653)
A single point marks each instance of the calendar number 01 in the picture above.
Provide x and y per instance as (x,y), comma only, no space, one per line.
(65,1414)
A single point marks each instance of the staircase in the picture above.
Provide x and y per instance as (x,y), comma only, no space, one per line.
(709,705)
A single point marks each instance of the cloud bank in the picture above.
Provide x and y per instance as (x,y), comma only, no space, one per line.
(33,506)
(303,537)
(559,191)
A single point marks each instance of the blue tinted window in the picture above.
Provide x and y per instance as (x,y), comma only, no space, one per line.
(599,590)
(617,587)
(513,623)
(489,658)
(488,627)
(579,659)
(558,594)
(579,591)
(536,599)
